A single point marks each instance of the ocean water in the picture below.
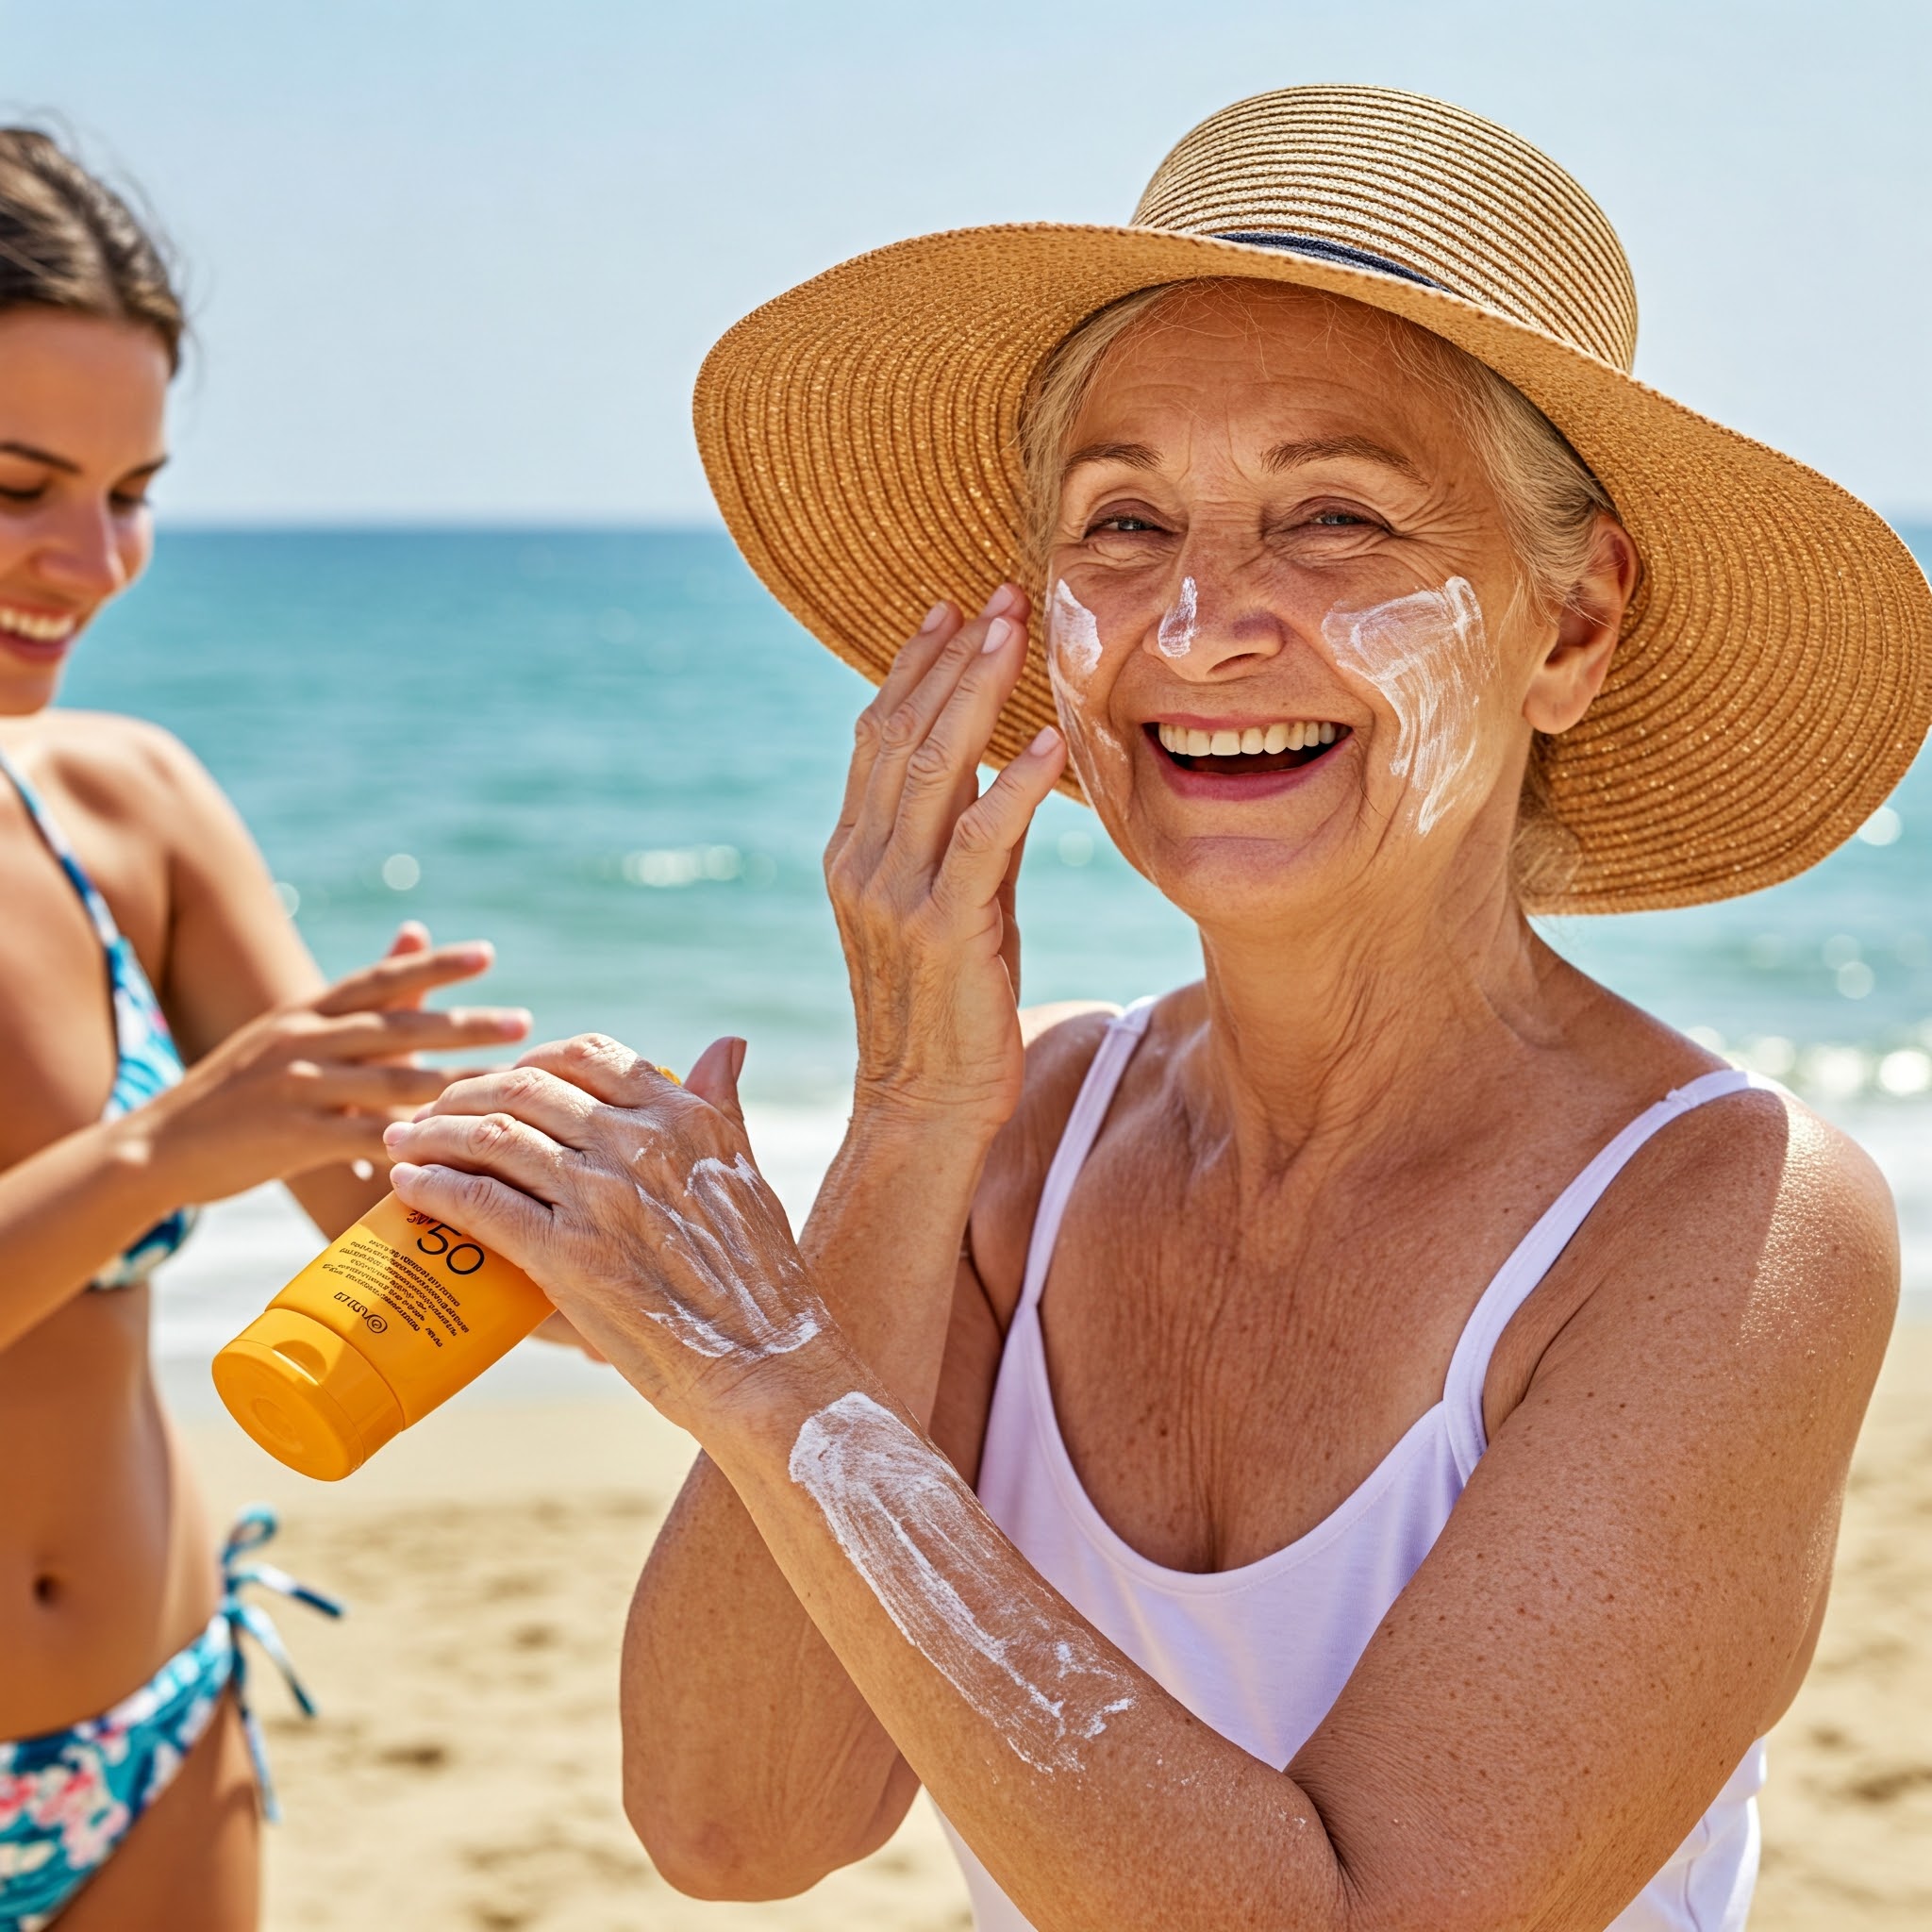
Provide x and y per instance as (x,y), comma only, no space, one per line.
(614,756)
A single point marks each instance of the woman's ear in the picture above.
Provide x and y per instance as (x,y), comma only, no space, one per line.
(1579,658)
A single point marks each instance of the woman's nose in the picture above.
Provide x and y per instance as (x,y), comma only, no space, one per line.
(1214,623)
(79,552)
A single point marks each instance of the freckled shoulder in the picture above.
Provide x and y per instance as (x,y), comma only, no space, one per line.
(1061,1039)
(1754,1229)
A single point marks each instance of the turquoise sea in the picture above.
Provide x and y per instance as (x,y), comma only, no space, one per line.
(613,755)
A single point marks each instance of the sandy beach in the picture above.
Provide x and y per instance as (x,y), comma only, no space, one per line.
(463,1774)
(464,1770)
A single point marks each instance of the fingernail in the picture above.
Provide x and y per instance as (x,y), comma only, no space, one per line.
(402,1171)
(934,618)
(1002,599)
(1048,739)
(514,1023)
(999,634)
(478,953)
(393,1134)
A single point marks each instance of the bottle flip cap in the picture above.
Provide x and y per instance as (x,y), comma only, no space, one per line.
(306,1396)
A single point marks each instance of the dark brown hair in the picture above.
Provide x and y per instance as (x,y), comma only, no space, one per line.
(69,242)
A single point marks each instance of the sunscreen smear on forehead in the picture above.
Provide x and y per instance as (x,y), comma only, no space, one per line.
(395,1315)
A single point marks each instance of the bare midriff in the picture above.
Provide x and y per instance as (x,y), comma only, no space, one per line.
(106,1566)
(106,1553)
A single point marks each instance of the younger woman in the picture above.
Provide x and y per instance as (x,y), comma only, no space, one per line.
(165,1039)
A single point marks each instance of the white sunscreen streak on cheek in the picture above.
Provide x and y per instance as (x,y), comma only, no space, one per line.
(1426,653)
(1074,635)
(1175,635)
(915,1533)
(1073,656)
(761,1304)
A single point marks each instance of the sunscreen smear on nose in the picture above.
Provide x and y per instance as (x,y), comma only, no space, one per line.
(391,1320)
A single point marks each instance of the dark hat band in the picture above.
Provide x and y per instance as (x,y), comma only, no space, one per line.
(1333,251)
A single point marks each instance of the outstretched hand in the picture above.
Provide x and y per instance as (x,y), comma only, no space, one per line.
(631,1201)
(313,1083)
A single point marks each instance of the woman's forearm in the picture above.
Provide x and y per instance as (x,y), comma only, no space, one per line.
(752,1764)
(1093,1797)
(66,1211)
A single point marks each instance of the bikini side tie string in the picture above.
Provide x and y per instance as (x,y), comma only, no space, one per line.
(253,1527)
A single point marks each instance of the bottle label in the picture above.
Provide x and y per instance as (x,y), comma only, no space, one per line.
(383,1283)
(428,1307)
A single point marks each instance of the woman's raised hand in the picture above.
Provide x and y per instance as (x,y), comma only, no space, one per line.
(314,1084)
(922,868)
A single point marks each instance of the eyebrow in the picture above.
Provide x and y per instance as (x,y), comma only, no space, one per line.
(71,469)
(1289,456)
(1136,455)
(1283,456)
(40,455)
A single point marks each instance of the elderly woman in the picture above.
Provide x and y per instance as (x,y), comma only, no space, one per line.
(1356,1443)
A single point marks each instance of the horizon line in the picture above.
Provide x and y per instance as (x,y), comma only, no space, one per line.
(1918,522)
(195,526)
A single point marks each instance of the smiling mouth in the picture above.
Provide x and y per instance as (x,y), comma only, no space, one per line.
(1282,746)
(37,631)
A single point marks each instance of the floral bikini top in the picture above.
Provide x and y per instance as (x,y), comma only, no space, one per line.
(147,1062)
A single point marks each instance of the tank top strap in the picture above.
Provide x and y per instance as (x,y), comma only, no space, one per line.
(1537,1252)
(1116,1048)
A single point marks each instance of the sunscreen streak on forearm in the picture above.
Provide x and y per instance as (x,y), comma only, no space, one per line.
(919,1538)
(1428,655)
(758,1301)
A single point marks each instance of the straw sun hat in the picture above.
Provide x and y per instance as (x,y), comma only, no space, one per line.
(1774,675)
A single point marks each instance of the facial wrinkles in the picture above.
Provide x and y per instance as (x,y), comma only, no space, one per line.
(910,1527)
(1175,635)
(1428,655)
(757,1300)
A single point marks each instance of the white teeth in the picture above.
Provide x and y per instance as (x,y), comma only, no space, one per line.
(1302,733)
(42,630)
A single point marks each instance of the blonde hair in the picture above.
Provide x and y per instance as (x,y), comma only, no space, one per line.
(1549,498)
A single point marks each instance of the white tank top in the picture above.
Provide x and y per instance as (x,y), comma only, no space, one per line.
(1260,1653)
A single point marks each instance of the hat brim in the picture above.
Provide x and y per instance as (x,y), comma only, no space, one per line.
(1773,678)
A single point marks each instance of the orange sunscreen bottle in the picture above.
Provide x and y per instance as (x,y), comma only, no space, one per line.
(392,1317)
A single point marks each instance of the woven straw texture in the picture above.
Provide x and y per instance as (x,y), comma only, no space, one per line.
(1775,675)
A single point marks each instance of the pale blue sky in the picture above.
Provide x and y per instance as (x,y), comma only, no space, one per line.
(458,260)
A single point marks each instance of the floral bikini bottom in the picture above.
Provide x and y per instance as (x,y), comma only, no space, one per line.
(69,1797)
